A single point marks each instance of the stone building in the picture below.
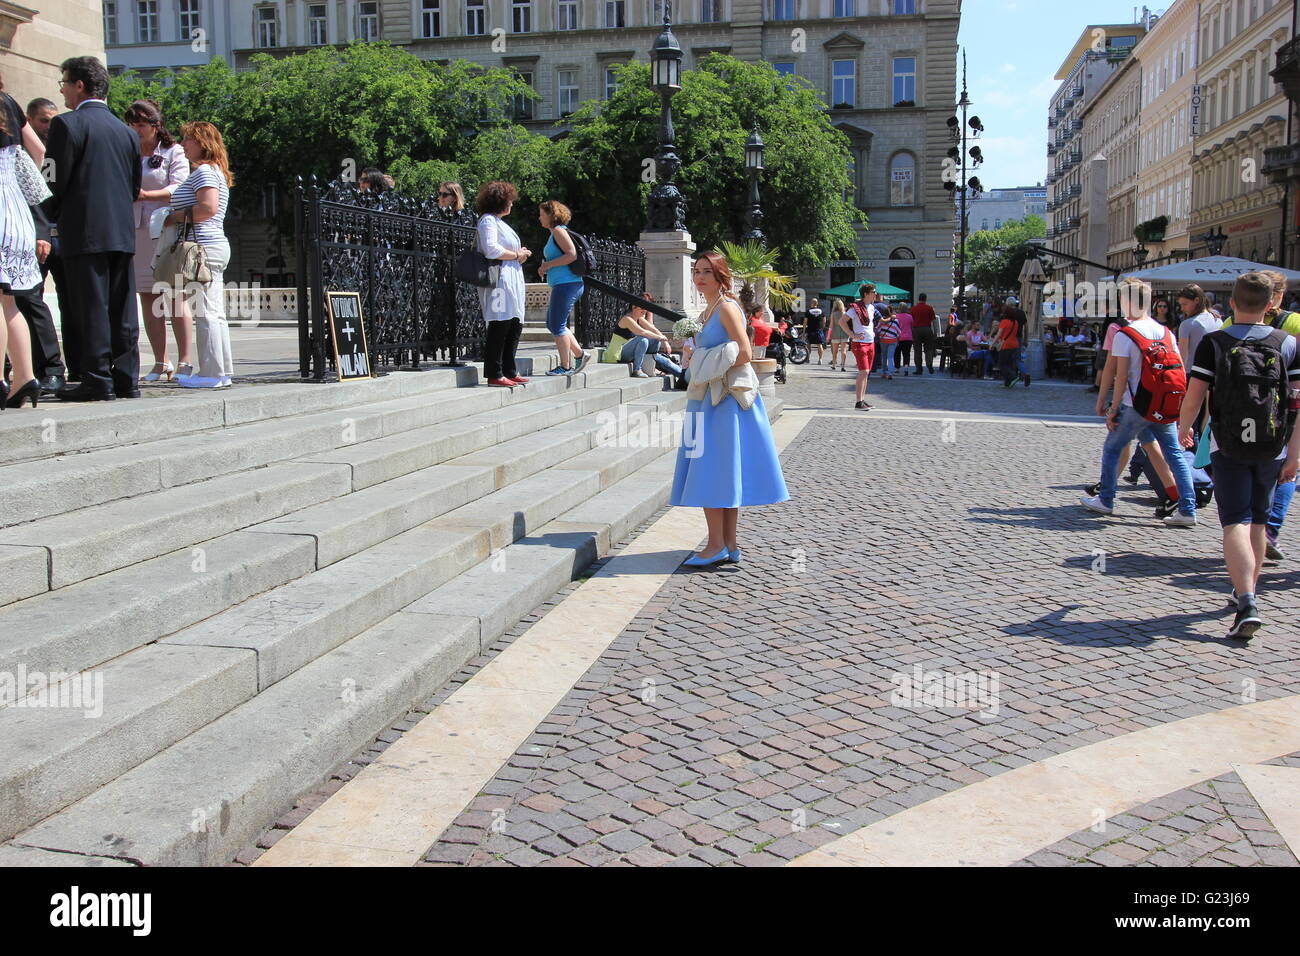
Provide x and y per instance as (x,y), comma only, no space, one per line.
(1242,113)
(1282,163)
(991,209)
(1168,55)
(36,38)
(1109,174)
(1100,51)
(886,69)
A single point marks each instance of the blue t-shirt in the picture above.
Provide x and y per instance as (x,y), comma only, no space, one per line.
(210,231)
(558,275)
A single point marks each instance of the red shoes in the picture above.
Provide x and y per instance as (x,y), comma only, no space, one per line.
(502,382)
(519,380)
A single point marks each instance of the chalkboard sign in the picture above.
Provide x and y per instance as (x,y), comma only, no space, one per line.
(348,333)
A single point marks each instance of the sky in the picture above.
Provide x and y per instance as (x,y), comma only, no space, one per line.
(1013,50)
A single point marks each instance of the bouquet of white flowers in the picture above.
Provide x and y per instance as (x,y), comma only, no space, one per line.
(685,328)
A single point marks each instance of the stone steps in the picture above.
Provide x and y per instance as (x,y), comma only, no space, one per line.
(237,670)
(248,766)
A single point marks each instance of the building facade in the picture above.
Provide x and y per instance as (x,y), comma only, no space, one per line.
(886,69)
(1096,56)
(1242,112)
(1109,174)
(991,209)
(1170,102)
(1282,163)
(35,41)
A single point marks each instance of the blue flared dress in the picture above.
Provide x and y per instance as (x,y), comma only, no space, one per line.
(735,461)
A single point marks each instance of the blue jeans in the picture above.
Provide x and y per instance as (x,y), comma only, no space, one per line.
(641,346)
(987,356)
(563,298)
(1131,425)
(1281,502)
(890,365)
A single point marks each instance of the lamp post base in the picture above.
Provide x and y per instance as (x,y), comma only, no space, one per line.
(668,258)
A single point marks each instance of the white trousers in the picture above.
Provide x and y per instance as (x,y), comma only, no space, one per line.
(212,333)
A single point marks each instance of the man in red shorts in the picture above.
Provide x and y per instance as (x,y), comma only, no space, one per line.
(859,324)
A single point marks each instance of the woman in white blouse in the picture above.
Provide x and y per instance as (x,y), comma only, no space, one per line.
(163,167)
(503,303)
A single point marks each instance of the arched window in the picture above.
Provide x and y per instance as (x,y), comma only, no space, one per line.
(902,180)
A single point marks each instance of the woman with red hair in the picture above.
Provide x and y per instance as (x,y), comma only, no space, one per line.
(727,458)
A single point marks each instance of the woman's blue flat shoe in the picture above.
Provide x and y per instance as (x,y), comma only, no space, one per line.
(696,561)
(733,557)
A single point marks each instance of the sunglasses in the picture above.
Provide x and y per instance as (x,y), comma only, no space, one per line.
(446,195)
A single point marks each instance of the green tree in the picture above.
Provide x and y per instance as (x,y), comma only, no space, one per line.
(994,257)
(803,187)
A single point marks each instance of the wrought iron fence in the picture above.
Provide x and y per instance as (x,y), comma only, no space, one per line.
(619,264)
(399,253)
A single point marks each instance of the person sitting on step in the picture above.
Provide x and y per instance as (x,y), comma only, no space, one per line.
(646,340)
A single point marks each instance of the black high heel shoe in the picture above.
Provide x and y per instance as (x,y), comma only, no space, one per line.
(4,393)
(31,390)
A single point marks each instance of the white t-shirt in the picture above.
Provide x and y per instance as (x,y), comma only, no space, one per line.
(1124,347)
(862,331)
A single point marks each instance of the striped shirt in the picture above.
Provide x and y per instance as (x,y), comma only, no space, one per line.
(210,231)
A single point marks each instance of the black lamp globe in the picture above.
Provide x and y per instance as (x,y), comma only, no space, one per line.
(754,152)
(666,60)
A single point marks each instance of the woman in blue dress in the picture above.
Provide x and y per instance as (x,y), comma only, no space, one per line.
(727,459)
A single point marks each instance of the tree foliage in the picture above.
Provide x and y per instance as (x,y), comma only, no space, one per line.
(803,186)
(992,270)
(374,104)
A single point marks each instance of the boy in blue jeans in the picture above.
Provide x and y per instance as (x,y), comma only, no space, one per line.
(1251,373)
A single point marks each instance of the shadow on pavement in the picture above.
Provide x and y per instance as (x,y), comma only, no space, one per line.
(1130,632)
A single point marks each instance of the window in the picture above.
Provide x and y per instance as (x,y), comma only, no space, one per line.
(784,69)
(902,7)
(523,106)
(850,194)
(997,224)
(984,225)
(368,21)
(611,81)
(188,18)
(317,28)
(268,27)
(615,14)
(902,180)
(146,21)
(475,18)
(521,16)
(845,8)
(843,84)
(782,9)
(567,98)
(110,21)
(566,15)
(710,11)
(905,79)
(430,18)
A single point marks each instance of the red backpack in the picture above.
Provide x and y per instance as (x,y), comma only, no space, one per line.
(1160,392)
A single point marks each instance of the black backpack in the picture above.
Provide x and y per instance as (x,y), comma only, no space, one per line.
(585,263)
(1250,408)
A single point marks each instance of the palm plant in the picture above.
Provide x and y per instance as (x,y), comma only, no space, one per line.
(753,263)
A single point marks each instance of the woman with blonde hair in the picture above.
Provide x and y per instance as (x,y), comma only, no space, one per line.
(839,338)
(727,459)
(451,199)
(199,211)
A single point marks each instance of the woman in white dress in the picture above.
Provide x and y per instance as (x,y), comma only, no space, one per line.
(21,187)
(503,303)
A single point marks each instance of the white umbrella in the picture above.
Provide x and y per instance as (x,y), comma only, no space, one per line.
(1210,272)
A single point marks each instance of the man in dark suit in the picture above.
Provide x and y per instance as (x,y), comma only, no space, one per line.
(95,176)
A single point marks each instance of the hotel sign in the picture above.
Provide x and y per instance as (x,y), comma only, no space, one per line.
(1196,111)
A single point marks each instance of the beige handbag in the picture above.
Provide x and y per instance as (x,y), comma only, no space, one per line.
(185,259)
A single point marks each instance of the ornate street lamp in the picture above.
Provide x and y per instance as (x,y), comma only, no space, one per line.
(955,180)
(1140,253)
(754,166)
(1214,240)
(667,206)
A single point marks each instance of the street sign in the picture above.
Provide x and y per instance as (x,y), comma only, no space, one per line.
(943,253)
(348,335)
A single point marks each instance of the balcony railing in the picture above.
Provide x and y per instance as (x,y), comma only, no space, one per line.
(1282,162)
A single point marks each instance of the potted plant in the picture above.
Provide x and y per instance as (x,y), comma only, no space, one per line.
(1153,230)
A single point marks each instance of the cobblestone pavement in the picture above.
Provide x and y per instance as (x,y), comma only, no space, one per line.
(749,714)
